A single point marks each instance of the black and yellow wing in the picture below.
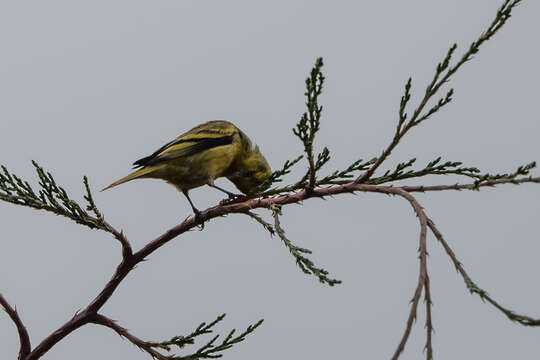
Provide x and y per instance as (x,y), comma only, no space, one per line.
(197,140)
(203,137)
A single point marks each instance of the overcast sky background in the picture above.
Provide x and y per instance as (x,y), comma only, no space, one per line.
(89,87)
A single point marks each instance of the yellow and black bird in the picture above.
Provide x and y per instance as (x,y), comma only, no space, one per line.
(209,151)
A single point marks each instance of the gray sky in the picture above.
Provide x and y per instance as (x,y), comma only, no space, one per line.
(87,88)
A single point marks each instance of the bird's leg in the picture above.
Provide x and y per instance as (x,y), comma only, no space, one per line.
(195,210)
(232,196)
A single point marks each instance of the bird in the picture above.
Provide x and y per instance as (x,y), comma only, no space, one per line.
(201,155)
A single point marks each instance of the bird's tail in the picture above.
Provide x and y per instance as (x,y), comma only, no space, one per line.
(144,172)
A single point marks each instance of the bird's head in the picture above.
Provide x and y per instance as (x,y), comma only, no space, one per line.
(251,172)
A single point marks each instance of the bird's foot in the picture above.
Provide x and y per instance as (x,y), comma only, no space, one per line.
(197,218)
(233,198)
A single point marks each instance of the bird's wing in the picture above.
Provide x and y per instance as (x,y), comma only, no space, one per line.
(196,140)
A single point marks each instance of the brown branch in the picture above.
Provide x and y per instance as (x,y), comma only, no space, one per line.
(24,339)
(123,332)
(422,274)
(472,186)
(129,262)
(367,175)
(429,323)
(119,235)
(473,288)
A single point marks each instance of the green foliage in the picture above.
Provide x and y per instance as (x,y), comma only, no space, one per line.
(305,264)
(277,175)
(448,168)
(344,176)
(51,197)
(402,106)
(310,122)
(210,350)
(267,226)
(521,171)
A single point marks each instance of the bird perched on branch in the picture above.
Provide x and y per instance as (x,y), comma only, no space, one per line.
(209,151)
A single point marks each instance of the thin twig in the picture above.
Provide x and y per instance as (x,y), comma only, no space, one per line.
(422,274)
(471,186)
(123,332)
(429,321)
(181,341)
(266,225)
(503,14)
(306,265)
(55,199)
(124,242)
(473,288)
(24,339)
(212,350)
